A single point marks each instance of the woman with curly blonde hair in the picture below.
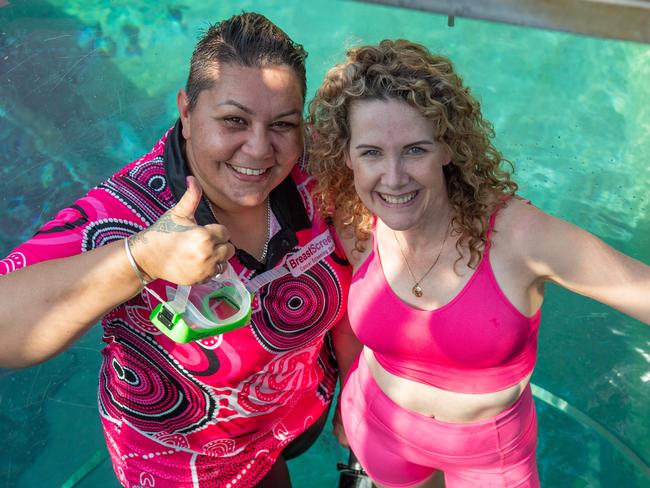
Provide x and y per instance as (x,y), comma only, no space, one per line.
(449,272)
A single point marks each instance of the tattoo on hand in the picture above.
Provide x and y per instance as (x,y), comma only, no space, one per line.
(167,226)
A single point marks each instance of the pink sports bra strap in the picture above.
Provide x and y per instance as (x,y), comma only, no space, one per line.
(488,234)
(375,246)
(493,218)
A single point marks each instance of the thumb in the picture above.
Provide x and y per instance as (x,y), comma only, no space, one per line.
(190,200)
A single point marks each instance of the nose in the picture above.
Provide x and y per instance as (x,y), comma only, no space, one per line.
(258,144)
(394,176)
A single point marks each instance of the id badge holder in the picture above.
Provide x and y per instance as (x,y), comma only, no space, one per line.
(204,310)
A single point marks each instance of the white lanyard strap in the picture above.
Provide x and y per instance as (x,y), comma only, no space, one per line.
(297,263)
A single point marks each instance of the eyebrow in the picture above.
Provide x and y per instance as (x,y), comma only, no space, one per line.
(416,143)
(420,143)
(250,111)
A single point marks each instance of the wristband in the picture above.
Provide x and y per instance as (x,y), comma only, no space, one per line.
(132,262)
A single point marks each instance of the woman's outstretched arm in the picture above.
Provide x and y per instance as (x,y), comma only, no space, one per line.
(577,260)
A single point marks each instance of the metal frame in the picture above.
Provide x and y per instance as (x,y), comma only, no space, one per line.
(616,19)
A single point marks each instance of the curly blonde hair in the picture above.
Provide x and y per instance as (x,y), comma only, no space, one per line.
(400,69)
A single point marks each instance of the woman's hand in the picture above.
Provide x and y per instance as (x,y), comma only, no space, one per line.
(175,248)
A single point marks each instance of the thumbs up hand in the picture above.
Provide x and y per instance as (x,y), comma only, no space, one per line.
(178,250)
(189,202)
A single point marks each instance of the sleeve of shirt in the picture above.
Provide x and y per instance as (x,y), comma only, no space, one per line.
(92,221)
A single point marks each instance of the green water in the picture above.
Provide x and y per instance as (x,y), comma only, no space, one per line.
(86,86)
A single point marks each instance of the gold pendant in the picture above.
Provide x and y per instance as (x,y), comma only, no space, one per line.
(417,291)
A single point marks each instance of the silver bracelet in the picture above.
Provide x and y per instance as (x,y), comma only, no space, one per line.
(136,270)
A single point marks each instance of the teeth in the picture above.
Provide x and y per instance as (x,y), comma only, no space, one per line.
(398,199)
(248,171)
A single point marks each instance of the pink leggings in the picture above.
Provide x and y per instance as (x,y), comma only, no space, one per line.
(400,448)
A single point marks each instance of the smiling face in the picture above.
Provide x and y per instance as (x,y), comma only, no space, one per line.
(244,135)
(397,162)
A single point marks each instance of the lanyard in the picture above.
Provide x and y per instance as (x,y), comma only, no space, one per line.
(297,263)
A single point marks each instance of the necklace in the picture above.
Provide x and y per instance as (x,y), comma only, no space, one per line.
(417,289)
(268,230)
(265,249)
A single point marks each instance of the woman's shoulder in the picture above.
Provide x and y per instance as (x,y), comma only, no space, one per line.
(532,235)
(519,223)
(518,213)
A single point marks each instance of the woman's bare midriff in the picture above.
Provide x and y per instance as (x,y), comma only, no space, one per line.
(443,405)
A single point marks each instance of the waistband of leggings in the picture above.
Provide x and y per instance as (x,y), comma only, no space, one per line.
(376,398)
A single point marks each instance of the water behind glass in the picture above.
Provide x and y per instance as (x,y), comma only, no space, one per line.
(87,86)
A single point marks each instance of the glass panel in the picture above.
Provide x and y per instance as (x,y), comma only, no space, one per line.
(87,86)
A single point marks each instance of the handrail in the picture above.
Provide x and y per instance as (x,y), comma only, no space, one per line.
(565,407)
(86,468)
(615,19)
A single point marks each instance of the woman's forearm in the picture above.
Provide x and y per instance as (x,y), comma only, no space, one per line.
(346,346)
(47,306)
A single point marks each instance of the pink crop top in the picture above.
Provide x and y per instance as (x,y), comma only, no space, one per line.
(477,343)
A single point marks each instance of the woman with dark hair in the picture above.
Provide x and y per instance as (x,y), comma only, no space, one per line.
(224,185)
(449,267)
